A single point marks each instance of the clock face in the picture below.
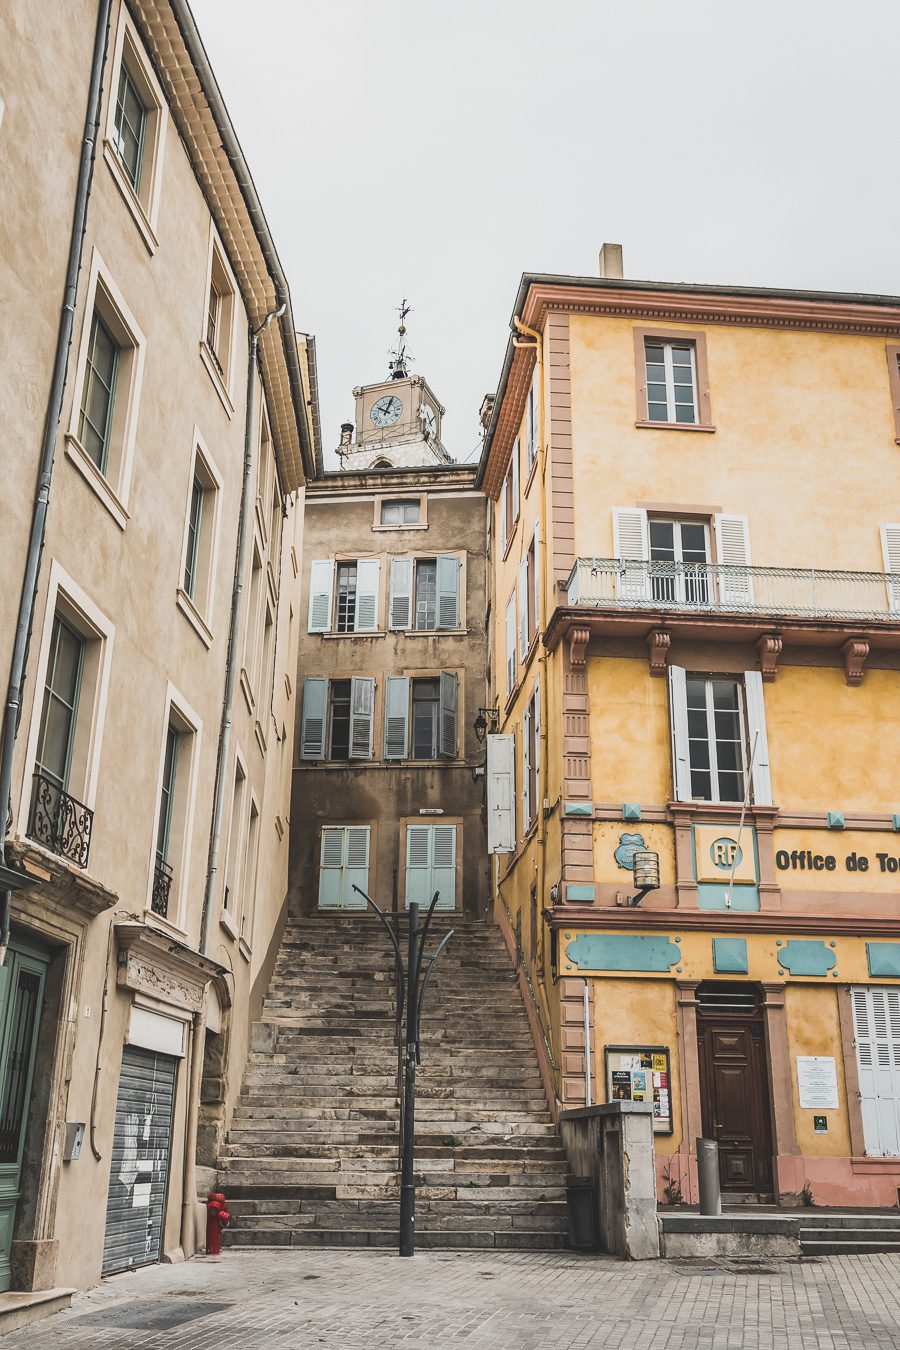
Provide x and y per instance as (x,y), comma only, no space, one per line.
(386,411)
(429,421)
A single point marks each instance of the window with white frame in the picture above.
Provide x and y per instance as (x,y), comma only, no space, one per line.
(425,593)
(719,737)
(531,758)
(431,852)
(172,840)
(251,859)
(509,498)
(671,375)
(235,839)
(198,561)
(679,554)
(218,322)
(338,718)
(401,511)
(669,561)
(511,665)
(531,433)
(135,130)
(421,716)
(344,595)
(529,595)
(890,546)
(343,864)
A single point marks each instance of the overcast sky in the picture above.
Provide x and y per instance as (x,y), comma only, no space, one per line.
(439,148)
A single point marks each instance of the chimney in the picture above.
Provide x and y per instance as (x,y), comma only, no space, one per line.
(611,260)
(346,433)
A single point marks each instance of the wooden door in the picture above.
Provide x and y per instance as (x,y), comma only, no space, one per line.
(734,1092)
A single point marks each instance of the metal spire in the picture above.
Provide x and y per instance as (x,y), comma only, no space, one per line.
(400,357)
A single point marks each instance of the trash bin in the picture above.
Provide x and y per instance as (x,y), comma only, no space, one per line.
(581,1200)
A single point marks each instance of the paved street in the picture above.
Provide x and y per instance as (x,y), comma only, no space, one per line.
(497,1299)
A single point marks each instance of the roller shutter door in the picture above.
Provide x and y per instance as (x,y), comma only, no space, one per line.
(140,1160)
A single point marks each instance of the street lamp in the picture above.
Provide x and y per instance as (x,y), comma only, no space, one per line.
(487,720)
(645,870)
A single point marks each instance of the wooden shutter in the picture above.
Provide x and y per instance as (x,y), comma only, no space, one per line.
(321,586)
(733,550)
(514,479)
(443,865)
(523,609)
(756,728)
(504,521)
(511,644)
(876,1027)
(537,578)
(681,765)
(396,717)
(447,715)
(401,593)
(331,866)
(356,866)
(631,545)
(418,865)
(501,824)
(368,572)
(537,735)
(343,863)
(362,709)
(890,545)
(315,708)
(526,769)
(530,429)
(448,574)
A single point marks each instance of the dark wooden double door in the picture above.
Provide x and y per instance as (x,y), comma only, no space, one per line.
(734,1086)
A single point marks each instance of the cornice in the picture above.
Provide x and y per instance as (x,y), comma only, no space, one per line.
(592,918)
(150,962)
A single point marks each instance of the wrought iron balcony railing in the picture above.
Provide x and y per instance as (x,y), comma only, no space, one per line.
(59,822)
(162,886)
(714,588)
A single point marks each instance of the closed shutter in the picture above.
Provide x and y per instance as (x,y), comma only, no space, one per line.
(536,621)
(890,545)
(448,575)
(343,863)
(733,551)
(514,473)
(396,717)
(447,715)
(504,522)
(139,1166)
(631,546)
(315,708)
(331,866)
(362,716)
(511,644)
(443,860)
(537,733)
(756,728)
(401,593)
(523,609)
(501,824)
(321,586)
(526,769)
(876,1026)
(431,864)
(368,572)
(681,765)
(357,866)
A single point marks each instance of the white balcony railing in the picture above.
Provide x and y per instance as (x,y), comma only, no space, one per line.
(713,588)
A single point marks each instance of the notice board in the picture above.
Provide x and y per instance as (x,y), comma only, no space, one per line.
(641,1073)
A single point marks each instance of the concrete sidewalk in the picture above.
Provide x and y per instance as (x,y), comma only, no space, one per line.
(504,1300)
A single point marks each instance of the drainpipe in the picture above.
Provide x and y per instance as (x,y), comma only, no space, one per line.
(215,832)
(189,1168)
(12,709)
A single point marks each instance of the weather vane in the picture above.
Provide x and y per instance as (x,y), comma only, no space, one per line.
(400,357)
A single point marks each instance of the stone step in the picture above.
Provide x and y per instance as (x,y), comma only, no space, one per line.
(444,1239)
(838,1245)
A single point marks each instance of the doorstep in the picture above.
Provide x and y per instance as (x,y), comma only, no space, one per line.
(20,1309)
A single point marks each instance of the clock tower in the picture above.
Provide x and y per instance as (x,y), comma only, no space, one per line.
(397,421)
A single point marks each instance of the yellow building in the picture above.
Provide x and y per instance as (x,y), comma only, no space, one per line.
(696,648)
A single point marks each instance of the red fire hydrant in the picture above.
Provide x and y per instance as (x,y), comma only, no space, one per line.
(217,1218)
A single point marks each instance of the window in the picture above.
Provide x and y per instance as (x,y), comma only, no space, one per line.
(172,841)
(232,860)
(251,632)
(248,898)
(668,561)
(60,707)
(893,360)
(404,511)
(425,593)
(530,428)
(531,758)
(509,499)
(162,878)
(345,617)
(671,375)
(347,590)
(718,728)
(218,320)
(343,864)
(338,717)
(130,123)
(529,595)
(686,544)
(431,864)
(421,717)
(136,122)
(195,517)
(511,644)
(198,568)
(98,393)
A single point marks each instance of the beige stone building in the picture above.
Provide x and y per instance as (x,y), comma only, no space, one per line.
(153,476)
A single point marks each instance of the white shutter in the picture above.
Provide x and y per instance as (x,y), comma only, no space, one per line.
(356,865)
(418,865)
(396,717)
(368,572)
(537,737)
(631,545)
(511,644)
(448,573)
(501,822)
(443,865)
(890,546)
(733,550)
(681,767)
(876,1026)
(523,609)
(530,429)
(514,472)
(449,689)
(756,728)
(526,769)
(331,866)
(321,586)
(537,577)
(504,522)
(362,709)
(401,593)
(315,708)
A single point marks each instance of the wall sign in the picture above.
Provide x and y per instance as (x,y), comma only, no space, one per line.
(817,1082)
(641,1073)
(804,860)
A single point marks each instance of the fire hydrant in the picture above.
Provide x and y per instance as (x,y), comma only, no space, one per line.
(217,1218)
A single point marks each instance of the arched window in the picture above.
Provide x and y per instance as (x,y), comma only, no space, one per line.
(382,464)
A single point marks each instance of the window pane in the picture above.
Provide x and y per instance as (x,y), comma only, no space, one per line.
(339,741)
(426,594)
(130,122)
(656,393)
(685,414)
(346,597)
(662,540)
(693,543)
(700,786)
(657,412)
(697,724)
(681,356)
(425,697)
(696,693)
(731,787)
(193,546)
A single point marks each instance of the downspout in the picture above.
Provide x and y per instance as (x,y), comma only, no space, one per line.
(12,708)
(189,1169)
(215,831)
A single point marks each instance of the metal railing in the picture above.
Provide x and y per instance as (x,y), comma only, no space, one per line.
(162,886)
(714,588)
(59,822)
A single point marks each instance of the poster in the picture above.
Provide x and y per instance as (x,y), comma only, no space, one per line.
(641,1074)
(817,1082)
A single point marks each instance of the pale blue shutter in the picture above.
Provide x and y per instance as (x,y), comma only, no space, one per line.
(401,593)
(418,865)
(356,866)
(447,715)
(681,765)
(514,471)
(537,577)
(315,707)
(523,610)
(321,585)
(448,573)
(504,521)
(362,711)
(443,865)
(511,644)
(396,717)
(331,866)
(526,769)
(368,571)
(537,735)
(756,728)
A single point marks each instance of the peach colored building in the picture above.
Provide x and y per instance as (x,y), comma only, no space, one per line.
(696,652)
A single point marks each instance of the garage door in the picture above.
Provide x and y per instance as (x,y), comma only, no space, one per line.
(140,1160)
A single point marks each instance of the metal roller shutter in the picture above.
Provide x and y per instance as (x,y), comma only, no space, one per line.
(140,1160)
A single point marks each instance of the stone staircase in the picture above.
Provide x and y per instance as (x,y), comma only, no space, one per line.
(311,1157)
(849,1234)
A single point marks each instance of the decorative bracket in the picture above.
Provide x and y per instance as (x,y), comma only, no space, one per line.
(769,647)
(658,642)
(854,651)
(578,645)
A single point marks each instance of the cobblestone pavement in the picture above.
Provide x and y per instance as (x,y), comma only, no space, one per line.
(504,1300)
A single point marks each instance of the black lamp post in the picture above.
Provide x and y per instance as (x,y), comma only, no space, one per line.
(487,720)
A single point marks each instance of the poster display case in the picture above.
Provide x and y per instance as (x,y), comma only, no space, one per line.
(641,1073)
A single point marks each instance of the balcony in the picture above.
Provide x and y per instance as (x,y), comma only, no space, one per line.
(162,886)
(60,823)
